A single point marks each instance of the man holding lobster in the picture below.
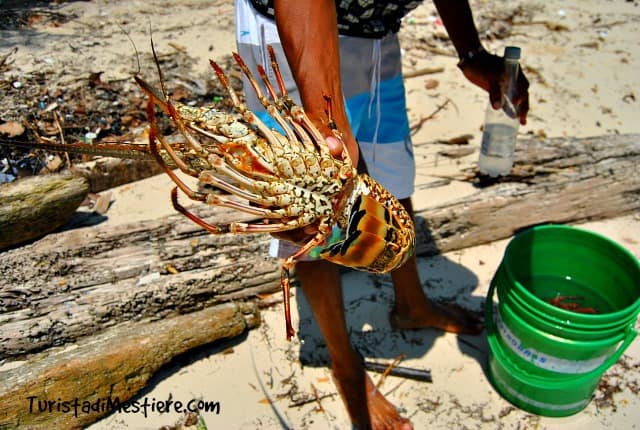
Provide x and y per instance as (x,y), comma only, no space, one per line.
(349,50)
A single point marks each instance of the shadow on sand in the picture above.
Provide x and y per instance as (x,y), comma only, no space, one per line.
(368,300)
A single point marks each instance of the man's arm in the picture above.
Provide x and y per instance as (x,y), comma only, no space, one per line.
(458,20)
(308,31)
(480,67)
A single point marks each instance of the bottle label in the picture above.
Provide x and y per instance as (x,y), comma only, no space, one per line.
(498,140)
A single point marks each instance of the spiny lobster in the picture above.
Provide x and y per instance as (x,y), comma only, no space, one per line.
(287,178)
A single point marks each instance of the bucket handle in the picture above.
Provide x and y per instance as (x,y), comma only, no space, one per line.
(630,336)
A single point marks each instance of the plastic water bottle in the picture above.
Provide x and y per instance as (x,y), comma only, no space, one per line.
(501,125)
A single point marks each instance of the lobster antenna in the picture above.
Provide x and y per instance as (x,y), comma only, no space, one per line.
(135,48)
(155,58)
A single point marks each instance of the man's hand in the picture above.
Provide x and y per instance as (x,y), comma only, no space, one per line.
(487,71)
(304,234)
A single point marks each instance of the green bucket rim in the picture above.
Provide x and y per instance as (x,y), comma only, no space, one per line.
(589,353)
(558,327)
(577,319)
(491,331)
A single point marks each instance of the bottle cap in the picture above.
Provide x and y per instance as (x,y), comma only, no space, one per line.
(512,52)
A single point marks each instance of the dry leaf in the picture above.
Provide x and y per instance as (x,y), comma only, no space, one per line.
(431,84)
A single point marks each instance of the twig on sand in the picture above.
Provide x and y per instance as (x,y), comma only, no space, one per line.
(423,71)
(417,126)
(394,370)
(317,398)
(310,399)
(388,369)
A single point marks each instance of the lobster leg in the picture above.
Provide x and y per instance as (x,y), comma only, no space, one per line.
(153,149)
(304,136)
(174,157)
(241,107)
(272,109)
(235,227)
(214,229)
(297,113)
(323,231)
(300,131)
(194,195)
(305,139)
(288,196)
(167,107)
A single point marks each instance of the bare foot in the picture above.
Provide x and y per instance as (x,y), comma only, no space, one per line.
(448,317)
(367,408)
(384,415)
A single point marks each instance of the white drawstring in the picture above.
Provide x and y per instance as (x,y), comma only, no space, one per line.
(374,92)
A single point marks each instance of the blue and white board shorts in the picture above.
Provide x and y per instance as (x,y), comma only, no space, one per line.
(374,93)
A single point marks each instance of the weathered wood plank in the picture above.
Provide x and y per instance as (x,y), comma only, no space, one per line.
(561,180)
(111,366)
(77,282)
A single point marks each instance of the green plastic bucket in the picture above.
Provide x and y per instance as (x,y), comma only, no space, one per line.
(549,360)
(548,261)
(541,392)
(561,319)
(536,350)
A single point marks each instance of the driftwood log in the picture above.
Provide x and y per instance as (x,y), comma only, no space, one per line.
(35,206)
(104,371)
(559,180)
(80,283)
